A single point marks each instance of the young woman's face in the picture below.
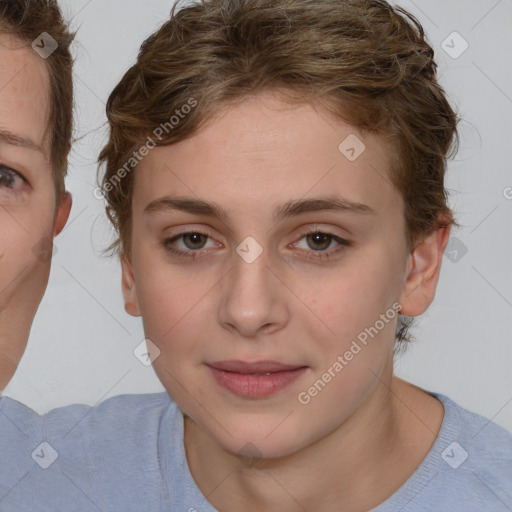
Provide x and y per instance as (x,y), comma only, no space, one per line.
(248,311)
(28,217)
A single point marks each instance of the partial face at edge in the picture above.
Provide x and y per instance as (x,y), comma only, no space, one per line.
(286,295)
(28,217)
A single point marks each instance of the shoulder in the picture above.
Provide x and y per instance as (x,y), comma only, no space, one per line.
(105,457)
(112,451)
(121,429)
(116,415)
(480,454)
(133,411)
(21,430)
(15,414)
(486,440)
(468,468)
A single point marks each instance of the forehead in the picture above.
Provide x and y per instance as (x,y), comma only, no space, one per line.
(264,150)
(24,90)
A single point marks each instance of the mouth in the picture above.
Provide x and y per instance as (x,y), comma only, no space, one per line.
(255,380)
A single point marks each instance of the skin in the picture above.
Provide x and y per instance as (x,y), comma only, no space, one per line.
(29,214)
(363,435)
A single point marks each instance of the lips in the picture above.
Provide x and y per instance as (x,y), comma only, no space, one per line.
(255,380)
(260,367)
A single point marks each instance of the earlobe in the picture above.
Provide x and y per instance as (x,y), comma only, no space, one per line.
(423,269)
(131,304)
(62,214)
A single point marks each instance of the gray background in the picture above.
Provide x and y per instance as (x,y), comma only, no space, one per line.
(82,341)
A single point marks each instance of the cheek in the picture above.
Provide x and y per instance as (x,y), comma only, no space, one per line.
(25,253)
(20,236)
(173,312)
(352,299)
(347,357)
(171,299)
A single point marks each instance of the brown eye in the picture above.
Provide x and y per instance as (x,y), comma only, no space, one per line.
(190,244)
(318,243)
(320,240)
(197,240)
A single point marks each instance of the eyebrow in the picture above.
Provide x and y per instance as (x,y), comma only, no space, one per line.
(17,140)
(286,210)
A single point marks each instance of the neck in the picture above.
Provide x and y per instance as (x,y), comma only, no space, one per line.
(353,468)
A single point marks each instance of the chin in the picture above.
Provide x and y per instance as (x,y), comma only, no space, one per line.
(260,442)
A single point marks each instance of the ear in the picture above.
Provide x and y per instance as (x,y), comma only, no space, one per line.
(423,269)
(131,303)
(62,213)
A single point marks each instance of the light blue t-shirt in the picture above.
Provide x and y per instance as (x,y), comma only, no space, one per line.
(127,454)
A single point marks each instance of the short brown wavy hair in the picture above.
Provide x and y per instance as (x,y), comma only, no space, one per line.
(27,20)
(368,62)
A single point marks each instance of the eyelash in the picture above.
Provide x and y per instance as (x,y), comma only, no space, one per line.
(318,255)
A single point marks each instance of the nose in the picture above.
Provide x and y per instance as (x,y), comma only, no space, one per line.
(254,299)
